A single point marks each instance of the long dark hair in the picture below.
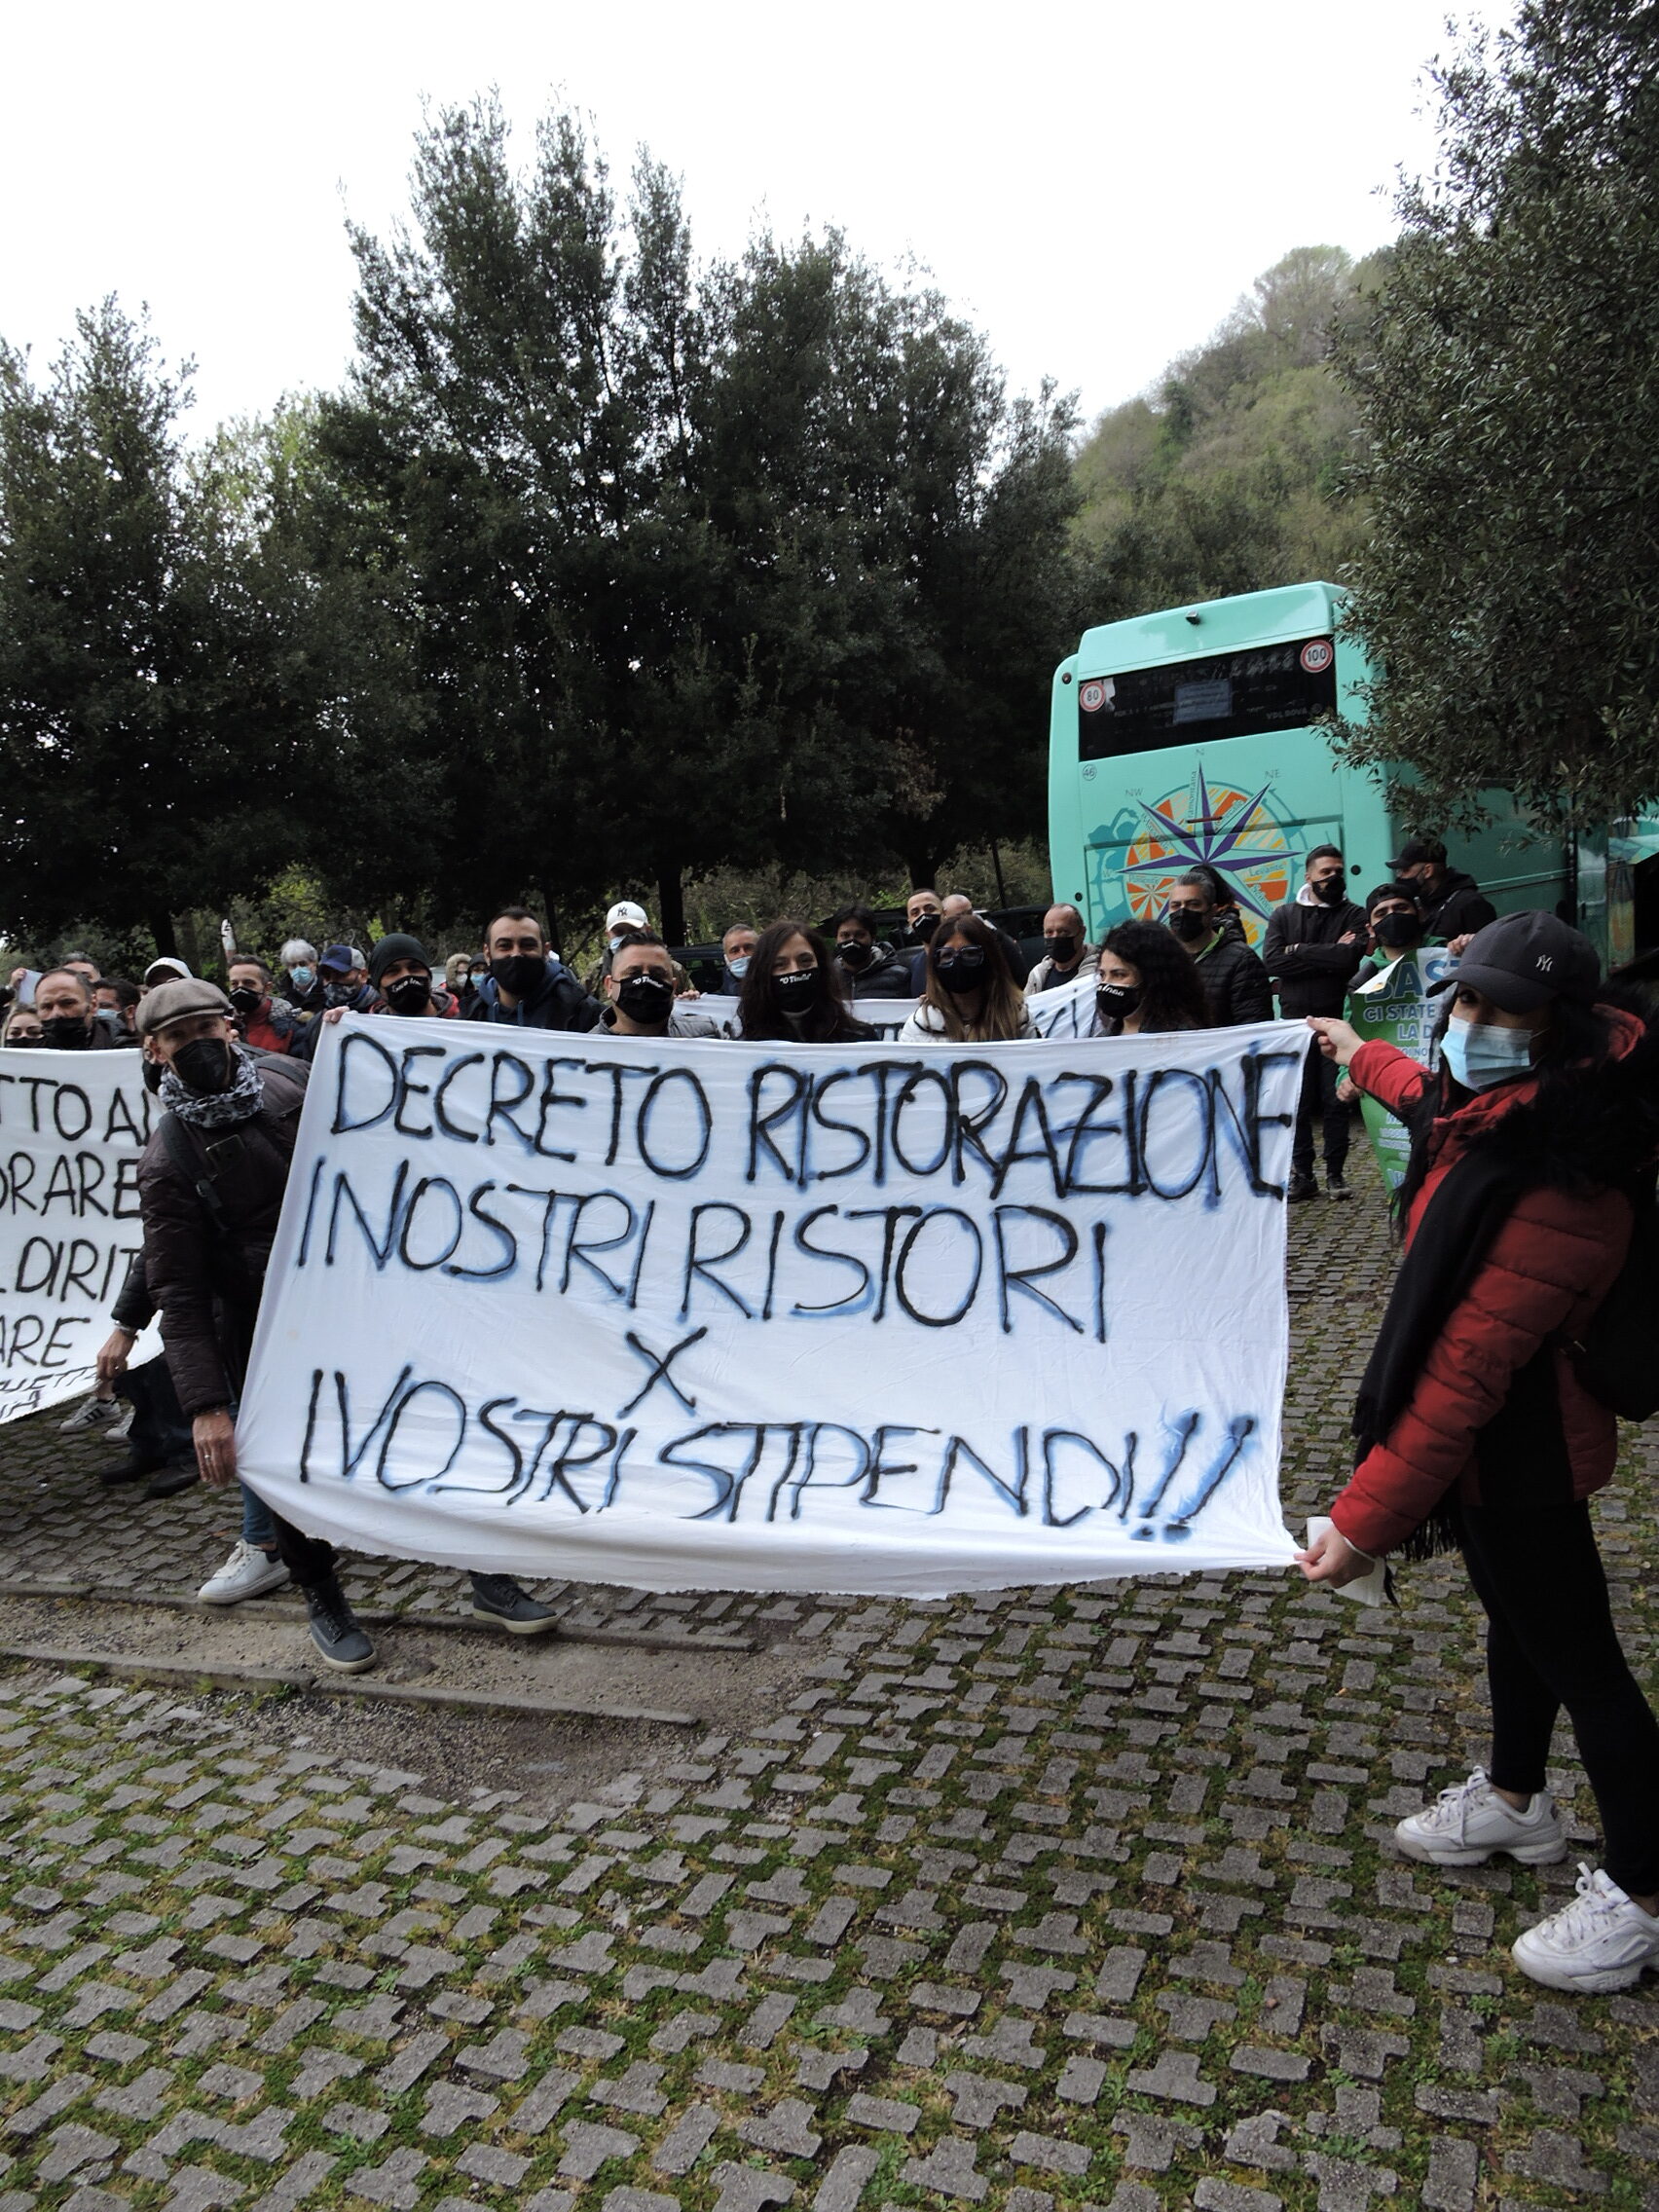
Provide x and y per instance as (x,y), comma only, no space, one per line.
(1172,991)
(1003,1012)
(1577,1037)
(763,1020)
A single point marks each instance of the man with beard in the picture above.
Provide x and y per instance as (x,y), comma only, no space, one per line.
(528,986)
(1313,946)
(67,1008)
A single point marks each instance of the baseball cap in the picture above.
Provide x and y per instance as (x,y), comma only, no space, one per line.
(340,957)
(626,915)
(1521,960)
(1416,850)
(166,970)
(172,1001)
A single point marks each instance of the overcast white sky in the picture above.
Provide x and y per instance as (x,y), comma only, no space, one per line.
(1094,184)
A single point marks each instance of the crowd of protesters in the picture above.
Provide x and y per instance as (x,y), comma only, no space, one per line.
(1532,1142)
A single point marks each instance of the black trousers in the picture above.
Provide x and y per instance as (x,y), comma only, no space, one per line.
(310,1560)
(1320,1102)
(1551,1642)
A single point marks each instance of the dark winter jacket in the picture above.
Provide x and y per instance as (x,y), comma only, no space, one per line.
(560,1003)
(1456,909)
(1235,983)
(1310,968)
(363,1000)
(205,1279)
(888,977)
(1545,1272)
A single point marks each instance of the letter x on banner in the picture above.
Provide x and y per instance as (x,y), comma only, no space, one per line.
(706,1314)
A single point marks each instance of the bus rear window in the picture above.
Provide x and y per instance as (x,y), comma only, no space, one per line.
(1243,695)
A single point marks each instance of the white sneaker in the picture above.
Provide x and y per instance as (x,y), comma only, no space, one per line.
(247,1573)
(91,1416)
(1470,1823)
(121,1431)
(1600,1941)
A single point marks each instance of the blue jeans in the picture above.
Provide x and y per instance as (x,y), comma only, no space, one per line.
(257,1526)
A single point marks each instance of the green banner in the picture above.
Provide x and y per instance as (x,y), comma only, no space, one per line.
(1392,1006)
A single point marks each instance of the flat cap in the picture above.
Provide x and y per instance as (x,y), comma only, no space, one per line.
(172,1001)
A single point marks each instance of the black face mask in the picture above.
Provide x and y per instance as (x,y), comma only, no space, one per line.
(1396,930)
(521,973)
(1330,892)
(799,991)
(66,1032)
(961,971)
(246,999)
(410,995)
(1188,926)
(924,926)
(855,953)
(1116,1000)
(1063,949)
(645,999)
(151,1072)
(205,1065)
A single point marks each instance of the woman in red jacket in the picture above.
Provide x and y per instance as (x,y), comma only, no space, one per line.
(1529,1146)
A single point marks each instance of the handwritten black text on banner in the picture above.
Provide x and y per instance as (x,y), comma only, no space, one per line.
(712,1314)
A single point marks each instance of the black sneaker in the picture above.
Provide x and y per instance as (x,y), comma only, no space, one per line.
(1335,1186)
(1299,1189)
(497,1598)
(183,1474)
(340,1643)
(132,1469)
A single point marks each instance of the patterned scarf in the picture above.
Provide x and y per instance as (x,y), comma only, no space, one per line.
(239,1103)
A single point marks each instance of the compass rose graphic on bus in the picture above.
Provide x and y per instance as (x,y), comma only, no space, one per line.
(1234,832)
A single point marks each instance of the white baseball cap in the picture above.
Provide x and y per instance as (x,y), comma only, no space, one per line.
(625,914)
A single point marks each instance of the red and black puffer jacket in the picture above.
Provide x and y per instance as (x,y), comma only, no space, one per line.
(1545,1272)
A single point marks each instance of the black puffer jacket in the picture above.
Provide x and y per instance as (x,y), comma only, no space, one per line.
(1456,908)
(1302,953)
(560,1003)
(206,1279)
(888,977)
(1235,983)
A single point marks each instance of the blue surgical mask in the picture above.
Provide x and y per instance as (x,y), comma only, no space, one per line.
(303,976)
(740,966)
(1480,1054)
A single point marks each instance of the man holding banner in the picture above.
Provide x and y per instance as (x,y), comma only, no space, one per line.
(210,1188)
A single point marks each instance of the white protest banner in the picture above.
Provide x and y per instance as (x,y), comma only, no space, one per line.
(705,1314)
(72,1127)
(1068,1012)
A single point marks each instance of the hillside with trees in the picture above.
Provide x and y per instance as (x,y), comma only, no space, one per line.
(1230,474)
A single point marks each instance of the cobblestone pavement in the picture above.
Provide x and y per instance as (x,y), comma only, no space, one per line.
(1048,1899)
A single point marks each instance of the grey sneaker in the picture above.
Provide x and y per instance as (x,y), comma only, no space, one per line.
(340,1643)
(93,1416)
(1300,1189)
(1335,1186)
(497,1598)
(1470,1823)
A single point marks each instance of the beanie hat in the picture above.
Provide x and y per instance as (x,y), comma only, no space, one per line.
(391,949)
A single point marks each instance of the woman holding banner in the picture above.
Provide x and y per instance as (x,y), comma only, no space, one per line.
(1532,1147)
(792,992)
(1147,984)
(969,996)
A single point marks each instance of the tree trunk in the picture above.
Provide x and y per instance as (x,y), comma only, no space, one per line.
(671,907)
(162,930)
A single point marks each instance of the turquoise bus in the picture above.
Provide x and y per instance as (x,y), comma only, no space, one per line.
(1190,735)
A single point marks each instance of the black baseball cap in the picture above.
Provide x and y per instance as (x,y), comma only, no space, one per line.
(1416,850)
(1521,960)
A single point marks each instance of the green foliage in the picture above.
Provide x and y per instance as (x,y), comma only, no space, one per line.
(1509,387)
(1232,478)
(148,649)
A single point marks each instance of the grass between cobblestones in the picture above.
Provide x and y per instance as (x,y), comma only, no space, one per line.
(1040,1900)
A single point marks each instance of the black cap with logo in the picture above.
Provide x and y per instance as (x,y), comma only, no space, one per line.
(1416,850)
(1521,961)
